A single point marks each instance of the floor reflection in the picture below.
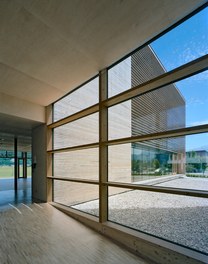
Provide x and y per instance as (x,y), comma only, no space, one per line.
(9,196)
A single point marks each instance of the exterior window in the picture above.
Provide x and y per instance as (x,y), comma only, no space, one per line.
(175,218)
(79,132)
(79,164)
(75,101)
(184,43)
(141,145)
(76,195)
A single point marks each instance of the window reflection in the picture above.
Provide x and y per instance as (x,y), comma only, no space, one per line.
(161,160)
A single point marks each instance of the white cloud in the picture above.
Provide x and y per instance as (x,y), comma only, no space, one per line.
(200,77)
(198,123)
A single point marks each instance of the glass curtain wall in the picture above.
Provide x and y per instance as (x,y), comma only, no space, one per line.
(78,141)
(156,139)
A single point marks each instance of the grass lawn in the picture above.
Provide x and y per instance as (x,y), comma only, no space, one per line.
(8,171)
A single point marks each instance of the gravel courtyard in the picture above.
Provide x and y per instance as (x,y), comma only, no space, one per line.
(176,218)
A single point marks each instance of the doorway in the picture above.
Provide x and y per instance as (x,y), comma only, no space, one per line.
(15,171)
(24,164)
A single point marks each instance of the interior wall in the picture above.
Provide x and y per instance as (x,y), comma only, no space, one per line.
(17,107)
(39,192)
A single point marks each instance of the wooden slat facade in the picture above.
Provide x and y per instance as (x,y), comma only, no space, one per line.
(159,110)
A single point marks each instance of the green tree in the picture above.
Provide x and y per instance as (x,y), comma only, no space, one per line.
(156,164)
(204,166)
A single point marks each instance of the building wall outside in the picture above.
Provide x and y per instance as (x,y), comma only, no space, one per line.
(153,112)
(149,113)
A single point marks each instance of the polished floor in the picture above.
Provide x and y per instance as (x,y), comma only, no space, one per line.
(9,197)
(39,233)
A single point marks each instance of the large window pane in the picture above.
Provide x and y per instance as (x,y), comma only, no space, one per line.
(119,163)
(181,45)
(178,105)
(147,162)
(80,99)
(185,43)
(92,206)
(75,194)
(139,68)
(77,164)
(119,120)
(180,162)
(119,77)
(160,110)
(194,91)
(174,162)
(79,132)
(176,218)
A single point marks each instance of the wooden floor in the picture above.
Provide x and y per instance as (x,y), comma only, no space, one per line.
(39,233)
(9,197)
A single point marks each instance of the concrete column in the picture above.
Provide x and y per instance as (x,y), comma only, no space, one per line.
(39,190)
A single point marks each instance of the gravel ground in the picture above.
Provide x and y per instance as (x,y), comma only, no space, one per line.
(177,218)
(187,183)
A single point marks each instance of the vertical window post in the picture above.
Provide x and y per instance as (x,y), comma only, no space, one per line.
(49,156)
(103,149)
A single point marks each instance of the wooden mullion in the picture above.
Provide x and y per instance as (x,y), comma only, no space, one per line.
(49,157)
(83,113)
(74,148)
(165,134)
(168,190)
(103,151)
(73,180)
(170,77)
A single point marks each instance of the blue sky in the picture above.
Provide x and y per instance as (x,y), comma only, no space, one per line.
(181,45)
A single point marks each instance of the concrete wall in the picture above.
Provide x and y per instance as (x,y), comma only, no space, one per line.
(39,155)
(14,106)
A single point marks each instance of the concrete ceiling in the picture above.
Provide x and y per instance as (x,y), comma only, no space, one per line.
(15,125)
(48,47)
(20,128)
(7,143)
